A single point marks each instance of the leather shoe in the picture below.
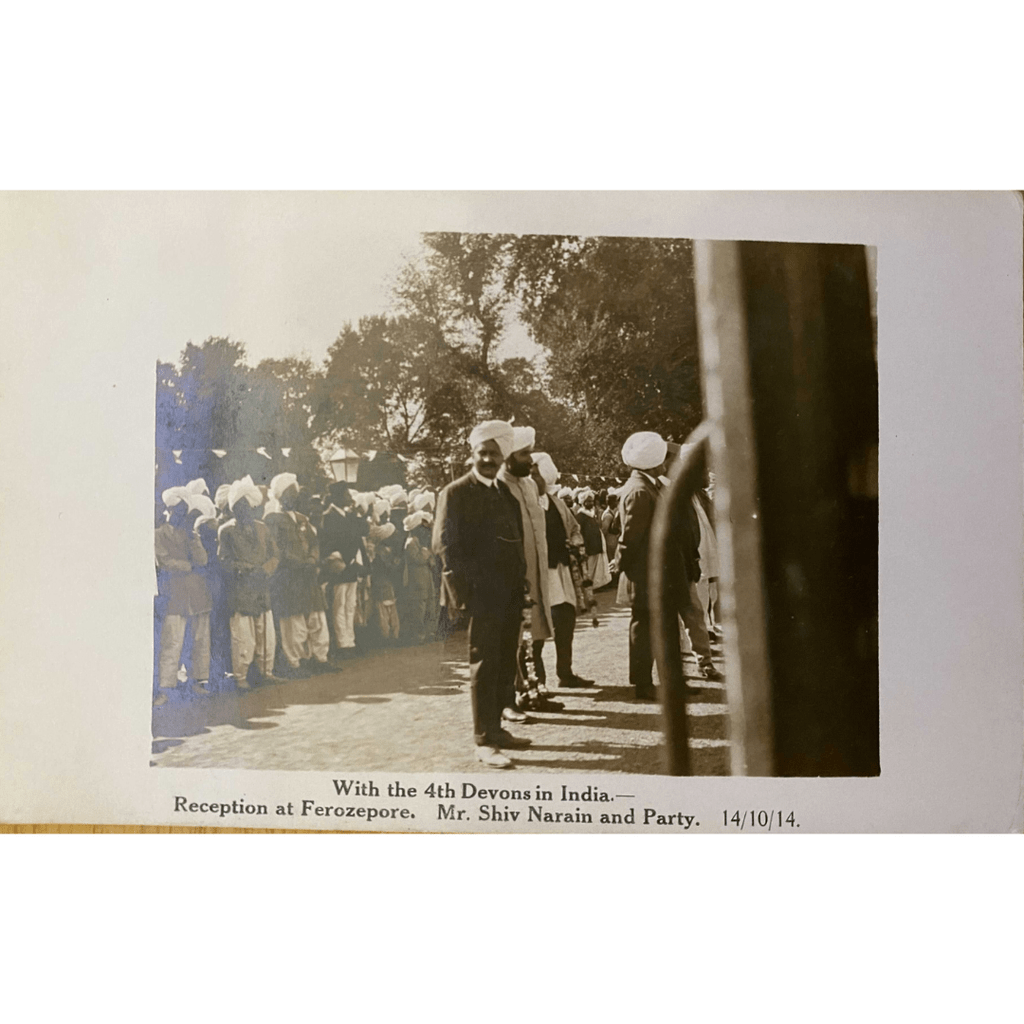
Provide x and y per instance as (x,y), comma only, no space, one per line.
(575,681)
(710,672)
(543,703)
(514,715)
(646,695)
(506,741)
(492,757)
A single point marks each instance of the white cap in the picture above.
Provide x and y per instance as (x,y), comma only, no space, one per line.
(281,483)
(547,467)
(523,438)
(174,496)
(494,430)
(244,488)
(644,450)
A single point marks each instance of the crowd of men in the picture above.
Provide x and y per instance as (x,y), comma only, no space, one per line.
(273,583)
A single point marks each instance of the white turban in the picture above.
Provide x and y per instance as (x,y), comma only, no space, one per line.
(174,496)
(522,438)
(565,492)
(197,486)
(400,500)
(363,500)
(423,501)
(585,494)
(381,508)
(206,507)
(390,492)
(221,497)
(272,506)
(416,519)
(381,532)
(281,483)
(547,467)
(244,488)
(415,493)
(644,450)
(494,430)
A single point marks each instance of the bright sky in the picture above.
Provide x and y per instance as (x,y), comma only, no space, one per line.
(280,272)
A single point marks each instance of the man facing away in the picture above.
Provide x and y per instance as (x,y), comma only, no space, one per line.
(645,453)
(478,535)
(248,557)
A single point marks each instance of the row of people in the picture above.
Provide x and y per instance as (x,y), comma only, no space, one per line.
(283,592)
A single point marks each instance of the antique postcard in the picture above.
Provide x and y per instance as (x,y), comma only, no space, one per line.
(624,512)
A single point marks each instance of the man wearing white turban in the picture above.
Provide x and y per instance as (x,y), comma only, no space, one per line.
(478,535)
(248,557)
(563,535)
(645,453)
(501,433)
(295,595)
(515,474)
(179,552)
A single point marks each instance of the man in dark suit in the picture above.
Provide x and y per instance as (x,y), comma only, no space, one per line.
(478,534)
(343,563)
(645,453)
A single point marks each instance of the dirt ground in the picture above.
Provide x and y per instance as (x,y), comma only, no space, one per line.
(407,709)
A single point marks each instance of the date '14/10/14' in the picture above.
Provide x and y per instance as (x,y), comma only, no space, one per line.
(759,819)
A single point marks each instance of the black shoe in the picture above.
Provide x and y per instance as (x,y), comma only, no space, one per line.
(547,704)
(504,740)
(712,673)
(646,695)
(576,682)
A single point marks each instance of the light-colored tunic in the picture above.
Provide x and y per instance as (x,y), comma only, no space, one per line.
(535,546)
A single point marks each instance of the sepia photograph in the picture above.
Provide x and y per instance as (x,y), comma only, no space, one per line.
(454,511)
(556,503)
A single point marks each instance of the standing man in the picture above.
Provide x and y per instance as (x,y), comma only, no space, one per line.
(344,562)
(515,474)
(562,532)
(248,556)
(645,453)
(179,551)
(295,595)
(478,535)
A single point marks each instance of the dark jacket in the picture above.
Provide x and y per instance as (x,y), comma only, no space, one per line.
(591,532)
(478,535)
(636,513)
(293,587)
(343,533)
(248,557)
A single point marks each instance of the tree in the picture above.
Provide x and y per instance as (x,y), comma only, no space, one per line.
(617,316)
(213,401)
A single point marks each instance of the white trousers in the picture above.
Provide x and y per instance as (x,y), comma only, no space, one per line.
(304,636)
(172,638)
(252,636)
(343,611)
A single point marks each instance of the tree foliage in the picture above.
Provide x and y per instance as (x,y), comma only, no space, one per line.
(613,318)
